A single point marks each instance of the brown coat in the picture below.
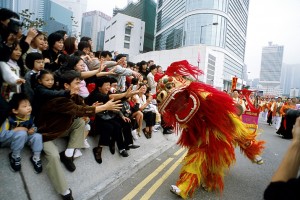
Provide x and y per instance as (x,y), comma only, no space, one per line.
(57,115)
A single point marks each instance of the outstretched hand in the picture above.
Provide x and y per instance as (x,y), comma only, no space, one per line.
(113,105)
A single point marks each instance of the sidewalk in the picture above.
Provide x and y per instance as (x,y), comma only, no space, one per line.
(90,180)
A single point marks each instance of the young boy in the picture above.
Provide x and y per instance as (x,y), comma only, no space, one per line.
(17,130)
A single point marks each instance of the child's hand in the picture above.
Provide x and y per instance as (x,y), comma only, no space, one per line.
(31,131)
(126,119)
(20,81)
(46,60)
(20,129)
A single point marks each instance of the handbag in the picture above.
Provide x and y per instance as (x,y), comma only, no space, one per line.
(106,115)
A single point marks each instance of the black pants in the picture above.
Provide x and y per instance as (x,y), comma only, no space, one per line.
(126,130)
(4,109)
(149,118)
(109,131)
(269,120)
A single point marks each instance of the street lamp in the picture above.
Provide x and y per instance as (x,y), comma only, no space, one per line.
(212,24)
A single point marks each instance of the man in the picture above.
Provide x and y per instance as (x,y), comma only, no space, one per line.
(240,102)
(61,117)
(277,117)
(272,111)
(284,184)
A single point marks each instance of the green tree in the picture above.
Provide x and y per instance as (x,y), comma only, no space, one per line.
(29,22)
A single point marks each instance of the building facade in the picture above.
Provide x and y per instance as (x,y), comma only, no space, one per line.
(271,66)
(93,26)
(290,78)
(78,7)
(57,17)
(124,34)
(144,10)
(221,24)
(52,12)
(212,62)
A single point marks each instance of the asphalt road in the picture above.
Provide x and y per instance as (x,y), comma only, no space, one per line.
(244,181)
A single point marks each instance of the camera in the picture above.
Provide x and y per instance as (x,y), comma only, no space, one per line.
(14,25)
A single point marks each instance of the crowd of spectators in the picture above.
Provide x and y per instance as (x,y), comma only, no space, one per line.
(53,86)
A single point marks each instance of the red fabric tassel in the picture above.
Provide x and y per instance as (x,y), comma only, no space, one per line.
(183,68)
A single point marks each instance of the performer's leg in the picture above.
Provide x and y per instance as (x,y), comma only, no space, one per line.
(190,175)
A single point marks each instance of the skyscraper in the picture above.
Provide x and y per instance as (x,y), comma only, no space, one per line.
(93,26)
(144,10)
(78,7)
(271,66)
(220,24)
(55,14)
(57,17)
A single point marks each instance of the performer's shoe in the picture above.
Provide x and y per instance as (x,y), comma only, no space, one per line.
(203,185)
(258,160)
(175,190)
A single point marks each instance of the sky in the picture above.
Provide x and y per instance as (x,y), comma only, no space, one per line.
(268,20)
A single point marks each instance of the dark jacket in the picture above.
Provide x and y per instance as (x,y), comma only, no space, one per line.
(43,95)
(57,115)
(52,56)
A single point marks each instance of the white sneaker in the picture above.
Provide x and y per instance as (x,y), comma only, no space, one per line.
(156,128)
(258,160)
(77,153)
(134,134)
(86,144)
(174,189)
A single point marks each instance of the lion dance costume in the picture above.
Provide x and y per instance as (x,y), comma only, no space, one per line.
(209,127)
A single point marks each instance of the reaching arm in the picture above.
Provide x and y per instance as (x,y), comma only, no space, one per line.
(291,161)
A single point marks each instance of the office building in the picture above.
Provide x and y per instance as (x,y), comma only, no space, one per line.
(290,78)
(220,24)
(124,34)
(57,17)
(144,10)
(78,7)
(9,4)
(271,66)
(52,12)
(93,26)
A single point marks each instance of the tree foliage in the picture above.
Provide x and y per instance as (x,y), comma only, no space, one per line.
(29,22)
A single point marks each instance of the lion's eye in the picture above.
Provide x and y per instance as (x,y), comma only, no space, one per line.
(161,96)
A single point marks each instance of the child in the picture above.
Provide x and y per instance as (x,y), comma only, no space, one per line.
(17,130)
(43,91)
(10,73)
(34,62)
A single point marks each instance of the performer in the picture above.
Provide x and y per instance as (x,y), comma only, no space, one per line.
(290,104)
(209,127)
(272,111)
(277,118)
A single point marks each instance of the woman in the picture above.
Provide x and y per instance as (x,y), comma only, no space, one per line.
(147,109)
(56,45)
(106,125)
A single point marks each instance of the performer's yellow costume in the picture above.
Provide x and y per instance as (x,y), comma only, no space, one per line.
(209,127)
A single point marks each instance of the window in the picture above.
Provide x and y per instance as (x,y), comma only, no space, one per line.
(127,38)
(126,45)
(128,30)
